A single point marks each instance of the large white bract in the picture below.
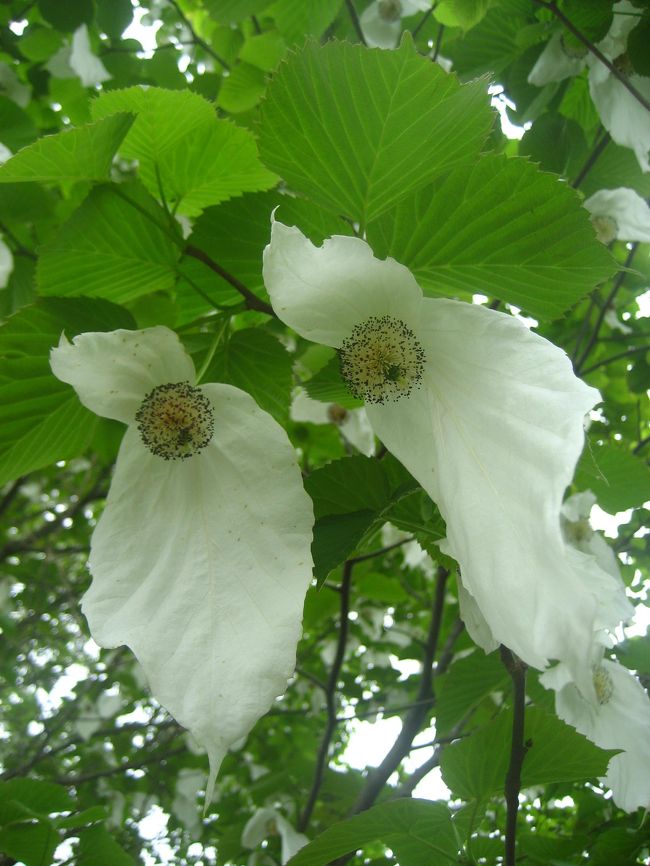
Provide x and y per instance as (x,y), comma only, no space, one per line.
(616,717)
(491,427)
(201,558)
(381,21)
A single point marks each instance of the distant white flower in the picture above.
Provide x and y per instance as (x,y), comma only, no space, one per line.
(5,153)
(485,414)
(555,63)
(269,822)
(352,423)
(6,263)
(617,717)
(622,115)
(184,807)
(76,60)
(11,87)
(381,21)
(201,558)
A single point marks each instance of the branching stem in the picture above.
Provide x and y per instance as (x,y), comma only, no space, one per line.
(252,301)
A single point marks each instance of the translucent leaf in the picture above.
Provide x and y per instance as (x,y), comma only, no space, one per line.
(475,767)
(183,150)
(468,682)
(618,479)
(111,247)
(84,153)
(502,228)
(416,123)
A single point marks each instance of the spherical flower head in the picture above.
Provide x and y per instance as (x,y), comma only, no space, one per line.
(381,360)
(201,558)
(176,421)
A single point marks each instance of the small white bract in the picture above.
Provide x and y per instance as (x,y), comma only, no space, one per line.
(269,822)
(381,21)
(352,423)
(492,429)
(619,213)
(201,558)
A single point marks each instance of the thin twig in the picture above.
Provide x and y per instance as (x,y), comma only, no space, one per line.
(436,50)
(517,670)
(591,160)
(10,495)
(252,301)
(641,445)
(330,697)
(618,282)
(416,716)
(204,45)
(423,21)
(381,551)
(113,771)
(613,358)
(570,26)
(355,21)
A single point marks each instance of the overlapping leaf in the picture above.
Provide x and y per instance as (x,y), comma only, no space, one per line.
(183,151)
(502,228)
(84,153)
(115,246)
(357,129)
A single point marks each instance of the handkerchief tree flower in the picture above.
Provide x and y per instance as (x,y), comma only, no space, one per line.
(485,414)
(201,558)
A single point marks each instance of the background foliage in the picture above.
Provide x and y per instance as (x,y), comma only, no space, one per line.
(152,206)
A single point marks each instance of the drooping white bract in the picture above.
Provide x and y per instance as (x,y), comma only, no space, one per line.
(555,63)
(76,60)
(616,717)
(352,423)
(381,21)
(201,558)
(266,822)
(485,414)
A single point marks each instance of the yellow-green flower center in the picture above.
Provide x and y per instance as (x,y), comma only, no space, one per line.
(606,228)
(382,360)
(603,685)
(176,421)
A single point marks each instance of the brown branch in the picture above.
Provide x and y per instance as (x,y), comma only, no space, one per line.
(517,670)
(330,697)
(570,26)
(252,301)
(618,282)
(613,358)
(352,12)
(131,765)
(416,716)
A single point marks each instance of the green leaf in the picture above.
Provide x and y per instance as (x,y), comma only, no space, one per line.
(417,514)
(349,496)
(181,146)
(256,362)
(114,16)
(84,153)
(98,848)
(542,849)
(67,16)
(469,681)
(556,143)
(111,247)
(41,798)
(461,13)
(475,767)
(618,478)
(328,386)
(418,831)
(32,843)
(16,126)
(308,18)
(41,419)
(417,122)
(232,11)
(336,537)
(634,653)
(637,47)
(501,228)
(243,89)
